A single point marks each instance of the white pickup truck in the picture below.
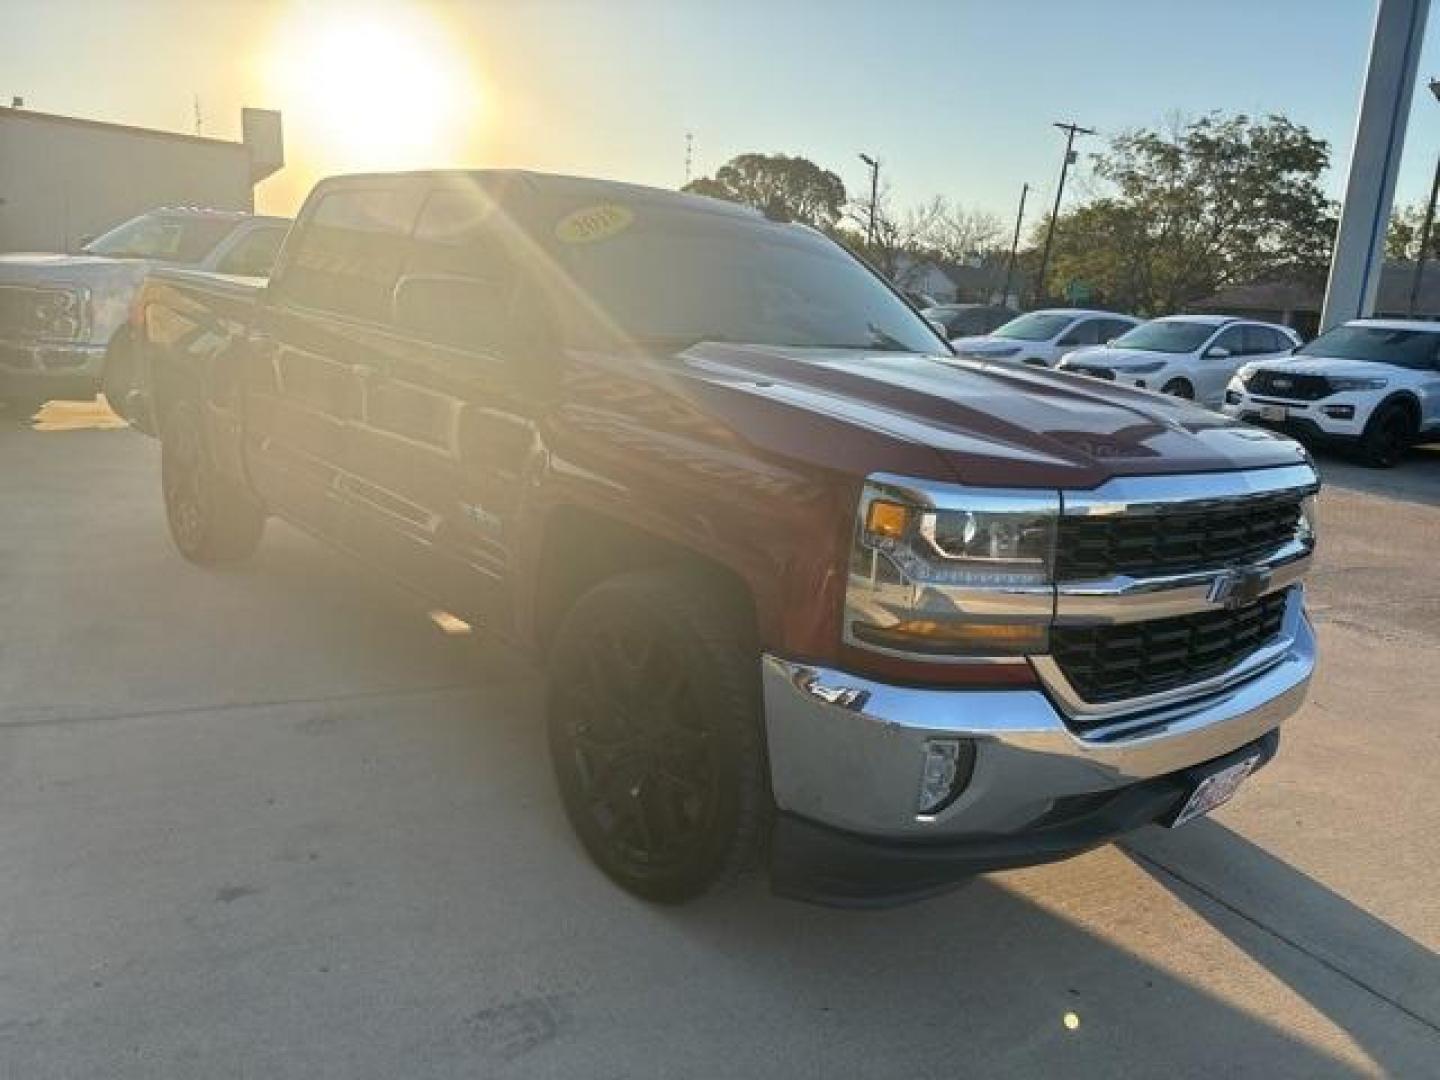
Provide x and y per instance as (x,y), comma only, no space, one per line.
(63,317)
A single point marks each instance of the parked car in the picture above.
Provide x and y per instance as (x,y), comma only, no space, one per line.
(1189,356)
(63,318)
(968,320)
(1041,337)
(1371,384)
(808,588)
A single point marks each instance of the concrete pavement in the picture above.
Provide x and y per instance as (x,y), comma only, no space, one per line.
(272,822)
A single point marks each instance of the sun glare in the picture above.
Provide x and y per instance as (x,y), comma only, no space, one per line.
(379,89)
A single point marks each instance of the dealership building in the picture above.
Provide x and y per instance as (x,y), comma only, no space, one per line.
(64,179)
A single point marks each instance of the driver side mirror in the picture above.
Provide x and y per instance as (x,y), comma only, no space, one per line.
(1217,352)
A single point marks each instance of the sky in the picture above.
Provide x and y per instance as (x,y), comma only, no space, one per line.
(955,99)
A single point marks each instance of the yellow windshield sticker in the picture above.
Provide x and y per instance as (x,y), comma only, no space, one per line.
(591,223)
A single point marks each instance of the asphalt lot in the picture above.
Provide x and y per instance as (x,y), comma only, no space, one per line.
(272,822)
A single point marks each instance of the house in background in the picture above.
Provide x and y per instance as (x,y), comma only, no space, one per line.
(64,179)
(980,281)
(1297,304)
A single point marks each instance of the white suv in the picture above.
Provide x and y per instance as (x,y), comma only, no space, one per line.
(1371,383)
(1189,356)
(1041,337)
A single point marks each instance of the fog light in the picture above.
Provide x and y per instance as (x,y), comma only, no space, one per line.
(948,764)
(1339,412)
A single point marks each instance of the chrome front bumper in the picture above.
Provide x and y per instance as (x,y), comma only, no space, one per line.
(847,752)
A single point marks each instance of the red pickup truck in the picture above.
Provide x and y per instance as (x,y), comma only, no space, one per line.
(812,592)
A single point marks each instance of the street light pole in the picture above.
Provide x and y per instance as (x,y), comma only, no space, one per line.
(874,195)
(1429,223)
(1014,245)
(1071,130)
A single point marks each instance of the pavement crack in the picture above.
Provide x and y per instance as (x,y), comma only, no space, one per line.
(231,706)
(1286,939)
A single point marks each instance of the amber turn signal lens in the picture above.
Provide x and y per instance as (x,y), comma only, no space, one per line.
(976,639)
(887,519)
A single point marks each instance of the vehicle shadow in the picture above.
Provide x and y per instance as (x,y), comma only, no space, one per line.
(1257,900)
(1416,479)
(1010,988)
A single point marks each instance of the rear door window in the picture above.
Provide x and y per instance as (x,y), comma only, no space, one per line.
(349,251)
(1260,339)
(1232,340)
(1085,332)
(254,254)
(459,279)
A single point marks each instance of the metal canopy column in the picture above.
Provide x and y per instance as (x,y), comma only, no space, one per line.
(1375,160)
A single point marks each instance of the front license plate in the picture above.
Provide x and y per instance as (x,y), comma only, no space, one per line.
(1215,790)
(1272,412)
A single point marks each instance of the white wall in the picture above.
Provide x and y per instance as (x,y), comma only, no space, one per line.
(62,179)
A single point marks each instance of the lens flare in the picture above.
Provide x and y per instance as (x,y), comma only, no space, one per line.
(379,88)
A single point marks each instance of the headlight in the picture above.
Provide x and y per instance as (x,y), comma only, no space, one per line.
(1338,383)
(1141,369)
(943,570)
(55,313)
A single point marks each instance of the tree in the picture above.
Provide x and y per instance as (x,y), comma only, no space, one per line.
(904,242)
(1213,202)
(955,233)
(784,188)
(1402,237)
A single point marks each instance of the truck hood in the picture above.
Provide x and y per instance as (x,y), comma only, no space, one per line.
(988,424)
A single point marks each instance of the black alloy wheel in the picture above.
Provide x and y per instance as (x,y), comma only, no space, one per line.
(654,734)
(1387,437)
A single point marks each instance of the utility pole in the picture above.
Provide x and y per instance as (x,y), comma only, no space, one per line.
(689,153)
(1429,222)
(1014,245)
(199,119)
(1071,129)
(874,165)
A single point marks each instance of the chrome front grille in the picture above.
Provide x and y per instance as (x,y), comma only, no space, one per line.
(36,312)
(1175,541)
(1131,660)
(1171,587)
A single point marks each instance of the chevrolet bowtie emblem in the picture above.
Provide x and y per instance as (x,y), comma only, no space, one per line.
(1239,587)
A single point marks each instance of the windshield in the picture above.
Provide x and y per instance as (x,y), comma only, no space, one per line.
(1037,326)
(1167,337)
(162,236)
(676,277)
(1403,348)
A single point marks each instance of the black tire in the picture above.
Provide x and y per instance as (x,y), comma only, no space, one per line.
(1387,436)
(655,733)
(212,520)
(1180,388)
